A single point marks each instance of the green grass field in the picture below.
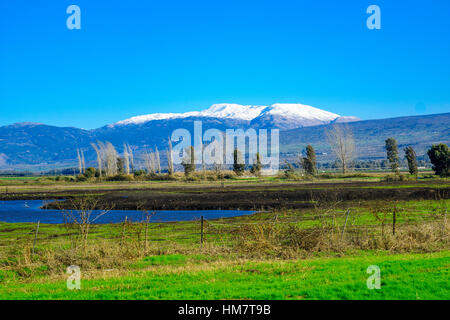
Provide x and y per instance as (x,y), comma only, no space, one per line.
(403,276)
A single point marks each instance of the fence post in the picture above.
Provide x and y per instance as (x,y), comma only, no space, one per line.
(146,232)
(35,236)
(201,233)
(444,226)
(394,219)
(345,224)
(123,230)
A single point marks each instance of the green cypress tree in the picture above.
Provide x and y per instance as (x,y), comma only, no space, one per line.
(189,161)
(392,154)
(256,168)
(238,165)
(312,163)
(410,156)
(309,163)
(439,155)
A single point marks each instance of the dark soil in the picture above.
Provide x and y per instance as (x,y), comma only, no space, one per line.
(259,197)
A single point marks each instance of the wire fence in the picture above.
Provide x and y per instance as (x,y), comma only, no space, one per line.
(352,222)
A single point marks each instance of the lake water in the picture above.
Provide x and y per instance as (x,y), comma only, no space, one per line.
(13,211)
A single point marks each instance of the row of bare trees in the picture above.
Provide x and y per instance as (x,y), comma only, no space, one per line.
(152,161)
(107,157)
(81,162)
(109,163)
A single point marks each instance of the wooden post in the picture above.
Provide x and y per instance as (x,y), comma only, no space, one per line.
(35,236)
(123,230)
(444,226)
(345,224)
(201,233)
(394,219)
(146,232)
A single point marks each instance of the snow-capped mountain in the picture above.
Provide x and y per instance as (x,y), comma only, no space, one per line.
(38,146)
(283,116)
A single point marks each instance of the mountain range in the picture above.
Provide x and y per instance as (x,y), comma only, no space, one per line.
(40,147)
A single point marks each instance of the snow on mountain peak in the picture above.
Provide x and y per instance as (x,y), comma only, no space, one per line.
(233,111)
(242,112)
(150,117)
(300,111)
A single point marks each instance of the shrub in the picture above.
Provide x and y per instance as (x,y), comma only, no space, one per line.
(81,178)
(398,177)
(140,173)
(439,155)
(229,175)
(121,177)
(90,172)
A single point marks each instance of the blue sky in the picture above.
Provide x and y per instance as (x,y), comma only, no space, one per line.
(137,57)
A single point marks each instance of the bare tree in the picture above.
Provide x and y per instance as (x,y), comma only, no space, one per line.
(111,158)
(80,165)
(103,155)
(83,164)
(83,215)
(130,154)
(152,161)
(149,161)
(126,157)
(203,163)
(170,159)
(342,143)
(99,157)
(157,160)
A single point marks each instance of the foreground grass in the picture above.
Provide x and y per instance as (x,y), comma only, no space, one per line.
(404,276)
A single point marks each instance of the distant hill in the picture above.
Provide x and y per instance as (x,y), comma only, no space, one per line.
(31,144)
(420,132)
